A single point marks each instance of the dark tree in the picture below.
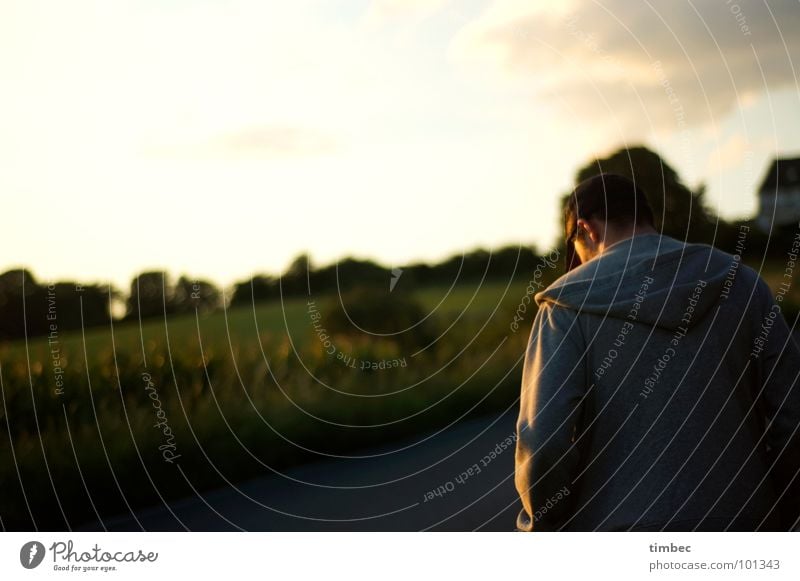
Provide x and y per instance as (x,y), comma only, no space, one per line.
(20,295)
(151,296)
(678,211)
(196,295)
(257,289)
(294,282)
(31,309)
(349,274)
(72,305)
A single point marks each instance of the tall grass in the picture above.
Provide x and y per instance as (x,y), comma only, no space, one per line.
(191,403)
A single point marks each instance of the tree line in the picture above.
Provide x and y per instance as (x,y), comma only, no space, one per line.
(30,308)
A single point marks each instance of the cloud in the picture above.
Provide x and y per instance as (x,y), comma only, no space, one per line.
(730,154)
(661,62)
(260,142)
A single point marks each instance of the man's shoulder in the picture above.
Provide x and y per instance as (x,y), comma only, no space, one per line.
(567,282)
(555,320)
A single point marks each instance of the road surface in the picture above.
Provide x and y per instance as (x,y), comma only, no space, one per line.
(459,480)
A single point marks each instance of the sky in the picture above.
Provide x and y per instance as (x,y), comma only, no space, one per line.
(219,139)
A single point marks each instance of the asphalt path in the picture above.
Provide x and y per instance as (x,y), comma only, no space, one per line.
(460,479)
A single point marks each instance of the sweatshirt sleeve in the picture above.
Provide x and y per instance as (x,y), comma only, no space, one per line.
(779,368)
(553,385)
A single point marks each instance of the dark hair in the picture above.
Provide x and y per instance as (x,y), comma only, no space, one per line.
(612,197)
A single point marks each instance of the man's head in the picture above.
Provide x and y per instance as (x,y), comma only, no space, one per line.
(602,210)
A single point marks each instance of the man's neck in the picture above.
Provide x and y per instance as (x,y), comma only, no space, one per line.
(612,237)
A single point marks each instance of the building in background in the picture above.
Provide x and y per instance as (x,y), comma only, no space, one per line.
(779,195)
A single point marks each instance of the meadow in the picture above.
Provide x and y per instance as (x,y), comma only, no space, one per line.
(158,411)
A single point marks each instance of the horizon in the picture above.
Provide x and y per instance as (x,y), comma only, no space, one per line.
(174,275)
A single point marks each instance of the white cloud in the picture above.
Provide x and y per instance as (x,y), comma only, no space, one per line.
(661,62)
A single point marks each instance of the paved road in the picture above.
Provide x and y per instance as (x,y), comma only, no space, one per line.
(386,492)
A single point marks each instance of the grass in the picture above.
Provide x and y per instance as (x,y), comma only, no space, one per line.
(238,397)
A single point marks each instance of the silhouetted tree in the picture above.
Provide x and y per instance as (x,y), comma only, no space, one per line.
(20,294)
(30,309)
(678,211)
(294,282)
(349,274)
(151,296)
(76,305)
(257,289)
(420,274)
(200,295)
(515,262)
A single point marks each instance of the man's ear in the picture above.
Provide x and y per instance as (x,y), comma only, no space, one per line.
(591,229)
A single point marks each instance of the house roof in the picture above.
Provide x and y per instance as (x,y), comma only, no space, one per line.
(782,173)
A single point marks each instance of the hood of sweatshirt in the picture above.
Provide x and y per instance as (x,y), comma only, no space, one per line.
(649,278)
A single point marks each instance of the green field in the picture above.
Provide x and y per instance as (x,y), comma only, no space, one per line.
(241,392)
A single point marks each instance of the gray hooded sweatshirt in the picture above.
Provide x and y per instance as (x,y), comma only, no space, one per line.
(660,392)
